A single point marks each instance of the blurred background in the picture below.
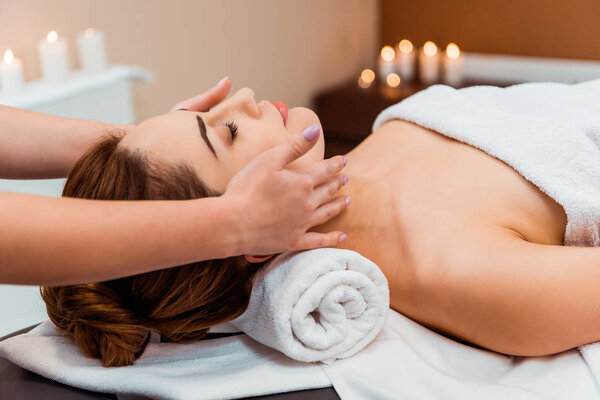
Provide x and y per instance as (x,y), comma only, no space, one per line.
(284,50)
(310,53)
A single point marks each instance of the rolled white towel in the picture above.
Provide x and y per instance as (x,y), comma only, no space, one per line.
(317,305)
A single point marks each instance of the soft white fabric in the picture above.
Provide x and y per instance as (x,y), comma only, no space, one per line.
(225,368)
(317,305)
(548,132)
(409,361)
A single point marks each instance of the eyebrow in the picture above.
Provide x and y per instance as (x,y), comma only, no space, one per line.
(204,136)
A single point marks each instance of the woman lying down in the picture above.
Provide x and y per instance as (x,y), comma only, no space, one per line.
(470,248)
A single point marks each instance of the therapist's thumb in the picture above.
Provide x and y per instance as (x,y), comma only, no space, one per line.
(296,146)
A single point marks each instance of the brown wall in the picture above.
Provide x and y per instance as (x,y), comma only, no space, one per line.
(284,50)
(548,28)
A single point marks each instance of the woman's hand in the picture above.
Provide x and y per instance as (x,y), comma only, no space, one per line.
(275,206)
(204,101)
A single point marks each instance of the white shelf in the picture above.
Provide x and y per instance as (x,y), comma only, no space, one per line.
(511,69)
(36,94)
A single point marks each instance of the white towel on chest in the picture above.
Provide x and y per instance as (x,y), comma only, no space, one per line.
(548,132)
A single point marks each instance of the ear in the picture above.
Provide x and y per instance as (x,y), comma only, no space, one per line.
(257,259)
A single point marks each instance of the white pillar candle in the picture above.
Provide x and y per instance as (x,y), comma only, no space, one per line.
(454,66)
(429,64)
(92,51)
(405,60)
(54,57)
(11,73)
(385,62)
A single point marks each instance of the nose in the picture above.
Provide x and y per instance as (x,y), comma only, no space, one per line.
(244,99)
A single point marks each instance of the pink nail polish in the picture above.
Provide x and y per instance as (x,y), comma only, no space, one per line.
(222,81)
(343,237)
(345,161)
(345,179)
(347,200)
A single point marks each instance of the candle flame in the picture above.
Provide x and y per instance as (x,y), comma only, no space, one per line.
(367,75)
(8,56)
(363,84)
(388,53)
(393,80)
(52,37)
(89,32)
(452,50)
(405,46)
(429,48)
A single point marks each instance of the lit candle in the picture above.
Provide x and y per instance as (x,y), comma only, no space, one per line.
(54,58)
(454,66)
(405,60)
(92,51)
(11,73)
(393,80)
(385,62)
(429,65)
(366,78)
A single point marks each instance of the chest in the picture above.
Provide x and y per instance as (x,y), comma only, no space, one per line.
(442,187)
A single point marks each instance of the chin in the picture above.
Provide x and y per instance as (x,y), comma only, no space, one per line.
(298,119)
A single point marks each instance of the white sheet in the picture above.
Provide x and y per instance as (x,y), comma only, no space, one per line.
(405,361)
(409,361)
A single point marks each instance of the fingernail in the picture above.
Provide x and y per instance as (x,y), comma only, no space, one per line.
(222,81)
(347,200)
(345,161)
(343,237)
(345,179)
(311,132)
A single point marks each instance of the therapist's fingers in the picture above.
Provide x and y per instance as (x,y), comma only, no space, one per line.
(208,99)
(329,210)
(314,240)
(327,190)
(295,147)
(324,170)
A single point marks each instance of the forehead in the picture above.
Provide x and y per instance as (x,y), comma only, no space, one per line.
(170,136)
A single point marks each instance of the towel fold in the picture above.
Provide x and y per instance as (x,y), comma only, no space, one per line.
(318,305)
(548,132)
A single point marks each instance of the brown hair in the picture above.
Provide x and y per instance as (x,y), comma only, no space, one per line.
(112,320)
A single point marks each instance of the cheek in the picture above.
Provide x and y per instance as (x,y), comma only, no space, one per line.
(299,119)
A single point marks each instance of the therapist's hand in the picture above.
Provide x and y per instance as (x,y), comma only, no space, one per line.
(275,206)
(204,101)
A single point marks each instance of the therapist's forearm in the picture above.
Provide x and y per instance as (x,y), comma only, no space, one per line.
(59,241)
(36,146)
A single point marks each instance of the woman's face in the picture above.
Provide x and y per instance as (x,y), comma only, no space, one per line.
(204,140)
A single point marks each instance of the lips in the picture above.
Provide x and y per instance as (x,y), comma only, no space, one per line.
(283,109)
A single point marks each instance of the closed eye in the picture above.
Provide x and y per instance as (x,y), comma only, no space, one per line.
(233,128)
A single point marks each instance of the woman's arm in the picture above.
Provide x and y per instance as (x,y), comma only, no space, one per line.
(515,297)
(35,145)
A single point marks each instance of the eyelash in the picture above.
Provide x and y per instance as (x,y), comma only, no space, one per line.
(233,128)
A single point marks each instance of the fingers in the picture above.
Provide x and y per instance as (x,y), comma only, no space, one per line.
(296,146)
(314,240)
(329,210)
(208,99)
(327,190)
(323,170)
